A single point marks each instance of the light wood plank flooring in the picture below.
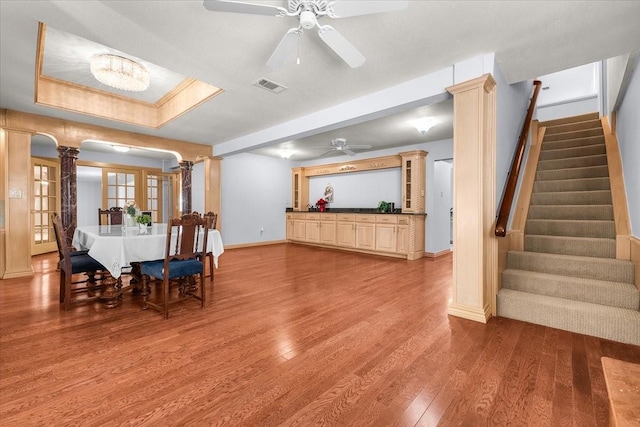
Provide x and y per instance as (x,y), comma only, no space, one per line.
(293,335)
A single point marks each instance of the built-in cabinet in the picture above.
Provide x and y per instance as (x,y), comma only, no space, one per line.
(398,235)
(413,181)
(384,234)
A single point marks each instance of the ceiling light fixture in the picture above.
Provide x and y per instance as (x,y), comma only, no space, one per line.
(121,148)
(286,153)
(119,72)
(423,124)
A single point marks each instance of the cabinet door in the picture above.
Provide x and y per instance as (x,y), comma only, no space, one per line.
(402,239)
(289,229)
(386,237)
(365,236)
(312,231)
(298,230)
(346,234)
(328,232)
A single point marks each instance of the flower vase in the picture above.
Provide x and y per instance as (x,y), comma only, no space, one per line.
(130,221)
(321,208)
(142,228)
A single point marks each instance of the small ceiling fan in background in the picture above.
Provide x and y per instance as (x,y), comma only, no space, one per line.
(340,145)
(308,12)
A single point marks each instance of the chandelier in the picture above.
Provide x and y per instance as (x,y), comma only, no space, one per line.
(119,72)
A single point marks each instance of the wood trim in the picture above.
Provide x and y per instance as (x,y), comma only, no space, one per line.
(526,187)
(72,134)
(437,254)
(374,163)
(618,193)
(634,250)
(69,96)
(470,312)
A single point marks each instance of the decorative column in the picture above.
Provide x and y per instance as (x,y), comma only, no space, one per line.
(475,249)
(185,174)
(68,190)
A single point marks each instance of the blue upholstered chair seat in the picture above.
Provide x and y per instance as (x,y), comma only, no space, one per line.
(177,268)
(82,263)
(78,253)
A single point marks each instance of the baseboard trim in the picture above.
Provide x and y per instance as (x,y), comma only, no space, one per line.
(476,314)
(437,254)
(249,245)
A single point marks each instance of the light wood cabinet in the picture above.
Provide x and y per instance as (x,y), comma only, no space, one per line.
(399,236)
(328,229)
(365,232)
(346,230)
(413,181)
(299,189)
(386,230)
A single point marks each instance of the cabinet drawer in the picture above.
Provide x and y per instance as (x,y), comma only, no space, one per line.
(403,220)
(365,218)
(386,219)
(346,217)
(312,216)
(327,217)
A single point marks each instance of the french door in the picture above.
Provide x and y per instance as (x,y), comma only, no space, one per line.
(43,204)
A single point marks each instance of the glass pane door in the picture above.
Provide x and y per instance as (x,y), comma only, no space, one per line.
(120,186)
(44,203)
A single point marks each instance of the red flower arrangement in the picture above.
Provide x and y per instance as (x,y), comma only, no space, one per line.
(320,204)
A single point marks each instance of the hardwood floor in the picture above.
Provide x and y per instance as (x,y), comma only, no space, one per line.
(293,335)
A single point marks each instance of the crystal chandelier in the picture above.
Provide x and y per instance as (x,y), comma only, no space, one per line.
(120,73)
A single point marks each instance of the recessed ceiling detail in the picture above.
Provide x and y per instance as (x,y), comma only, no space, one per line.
(76,90)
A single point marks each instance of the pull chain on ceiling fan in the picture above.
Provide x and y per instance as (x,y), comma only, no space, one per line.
(308,12)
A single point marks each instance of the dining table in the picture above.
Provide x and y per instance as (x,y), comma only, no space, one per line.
(118,246)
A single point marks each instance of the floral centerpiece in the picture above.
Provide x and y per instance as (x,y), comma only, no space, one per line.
(131,210)
(320,204)
(143,219)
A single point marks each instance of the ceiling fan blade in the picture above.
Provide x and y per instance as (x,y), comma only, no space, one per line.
(326,152)
(359,146)
(347,151)
(243,7)
(343,9)
(341,46)
(286,49)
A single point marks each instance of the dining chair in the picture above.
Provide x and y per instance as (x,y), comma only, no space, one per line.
(183,263)
(113,216)
(213,221)
(73,263)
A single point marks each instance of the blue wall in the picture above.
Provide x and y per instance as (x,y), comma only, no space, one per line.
(628,131)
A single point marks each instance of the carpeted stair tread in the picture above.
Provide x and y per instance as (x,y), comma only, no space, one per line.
(586,212)
(615,294)
(594,197)
(573,134)
(573,173)
(565,153)
(580,184)
(572,119)
(613,323)
(575,162)
(609,269)
(582,246)
(571,143)
(568,127)
(571,227)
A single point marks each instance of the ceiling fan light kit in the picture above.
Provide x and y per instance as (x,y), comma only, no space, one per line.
(308,12)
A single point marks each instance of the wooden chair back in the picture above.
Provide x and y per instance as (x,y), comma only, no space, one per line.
(112,216)
(186,238)
(213,217)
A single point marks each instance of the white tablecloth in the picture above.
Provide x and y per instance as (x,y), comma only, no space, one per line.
(115,246)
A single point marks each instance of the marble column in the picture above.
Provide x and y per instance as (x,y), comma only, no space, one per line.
(185,174)
(68,190)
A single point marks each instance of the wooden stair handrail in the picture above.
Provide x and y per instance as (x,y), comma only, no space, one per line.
(512,179)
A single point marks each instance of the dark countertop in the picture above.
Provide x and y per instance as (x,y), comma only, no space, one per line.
(355,210)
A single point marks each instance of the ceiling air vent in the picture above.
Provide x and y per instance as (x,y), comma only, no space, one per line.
(270,86)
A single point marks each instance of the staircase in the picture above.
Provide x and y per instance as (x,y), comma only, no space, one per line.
(567,277)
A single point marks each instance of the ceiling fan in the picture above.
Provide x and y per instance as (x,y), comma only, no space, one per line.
(340,145)
(308,12)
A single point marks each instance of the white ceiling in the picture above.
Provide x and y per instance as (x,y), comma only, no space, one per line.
(181,38)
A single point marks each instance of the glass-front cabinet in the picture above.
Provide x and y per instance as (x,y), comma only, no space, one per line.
(413,181)
(299,189)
